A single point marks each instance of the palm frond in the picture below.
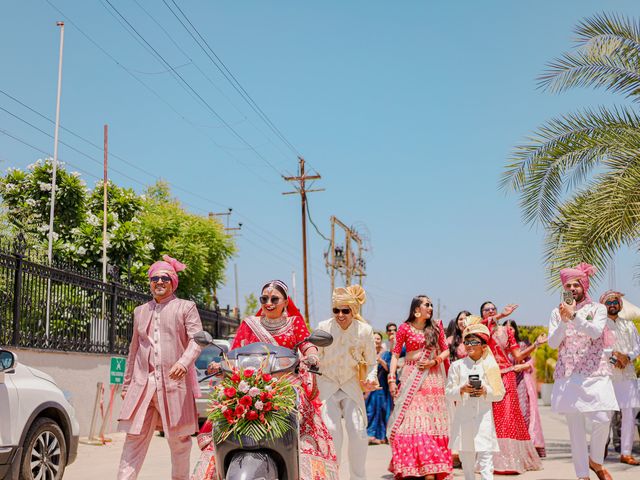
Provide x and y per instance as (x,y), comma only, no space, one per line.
(563,153)
(609,57)
(597,222)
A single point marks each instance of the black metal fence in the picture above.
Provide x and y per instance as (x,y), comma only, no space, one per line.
(84,313)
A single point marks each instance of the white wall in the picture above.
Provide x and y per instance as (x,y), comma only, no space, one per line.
(78,374)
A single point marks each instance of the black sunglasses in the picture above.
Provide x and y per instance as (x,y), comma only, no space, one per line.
(345,311)
(157,278)
(611,302)
(472,343)
(427,304)
(274,300)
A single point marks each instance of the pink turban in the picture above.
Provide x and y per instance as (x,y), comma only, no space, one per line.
(170,266)
(611,293)
(581,272)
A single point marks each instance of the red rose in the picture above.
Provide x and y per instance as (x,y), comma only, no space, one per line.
(235,378)
(228,414)
(267,407)
(252,415)
(276,407)
(246,401)
(248,372)
(267,377)
(262,417)
(269,395)
(239,411)
(230,392)
(263,396)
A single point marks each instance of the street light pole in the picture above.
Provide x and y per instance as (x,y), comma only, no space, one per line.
(54,174)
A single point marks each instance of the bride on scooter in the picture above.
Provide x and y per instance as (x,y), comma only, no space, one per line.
(279,322)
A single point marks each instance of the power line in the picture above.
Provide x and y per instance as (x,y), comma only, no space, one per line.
(233,81)
(188,85)
(154,93)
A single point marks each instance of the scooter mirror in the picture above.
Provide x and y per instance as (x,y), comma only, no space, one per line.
(203,338)
(320,338)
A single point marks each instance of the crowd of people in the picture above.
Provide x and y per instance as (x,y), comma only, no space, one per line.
(465,394)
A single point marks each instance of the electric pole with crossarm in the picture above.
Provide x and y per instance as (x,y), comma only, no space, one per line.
(300,185)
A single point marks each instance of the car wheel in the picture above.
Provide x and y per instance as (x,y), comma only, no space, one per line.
(44,454)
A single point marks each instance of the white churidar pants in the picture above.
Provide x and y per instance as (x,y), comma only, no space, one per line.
(334,409)
(580,451)
(485,465)
(628,430)
(136,446)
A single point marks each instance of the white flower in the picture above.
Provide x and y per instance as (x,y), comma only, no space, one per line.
(149,246)
(31,202)
(82,250)
(243,386)
(54,235)
(75,174)
(93,220)
(45,187)
(10,187)
(268,388)
(259,405)
(131,237)
(254,391)
(43,228)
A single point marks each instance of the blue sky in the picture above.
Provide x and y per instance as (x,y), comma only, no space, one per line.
(409,111)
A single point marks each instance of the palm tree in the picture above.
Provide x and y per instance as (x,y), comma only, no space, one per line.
(579,175)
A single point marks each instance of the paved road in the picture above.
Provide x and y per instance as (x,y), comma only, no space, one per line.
(101,462)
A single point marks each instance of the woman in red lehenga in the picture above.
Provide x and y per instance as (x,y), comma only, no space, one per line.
(517,452)
(418,429)
(279,322)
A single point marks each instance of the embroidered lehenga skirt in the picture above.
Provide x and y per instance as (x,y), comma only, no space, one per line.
(517,453)
(420,445)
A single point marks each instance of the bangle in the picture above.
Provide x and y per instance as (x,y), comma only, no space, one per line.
(438,360)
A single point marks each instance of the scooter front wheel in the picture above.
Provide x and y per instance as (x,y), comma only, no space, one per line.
(252,466)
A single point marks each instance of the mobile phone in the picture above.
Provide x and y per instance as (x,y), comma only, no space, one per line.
(474,381)
(567,297)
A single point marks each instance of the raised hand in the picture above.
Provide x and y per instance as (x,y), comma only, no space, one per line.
(509,309)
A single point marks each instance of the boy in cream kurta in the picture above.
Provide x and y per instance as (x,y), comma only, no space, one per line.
(473,433)
(340,387)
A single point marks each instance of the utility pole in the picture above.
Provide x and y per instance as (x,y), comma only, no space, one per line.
(301,188)
(342,258)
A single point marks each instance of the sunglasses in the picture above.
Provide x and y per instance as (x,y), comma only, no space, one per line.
(472,343)
(427,305)
(273,300)
(157,278)
(344,311)
(391,331)
(608,303)
(489,309)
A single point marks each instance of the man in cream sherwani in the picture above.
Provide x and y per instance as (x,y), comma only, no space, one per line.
(626,349)
(353,350)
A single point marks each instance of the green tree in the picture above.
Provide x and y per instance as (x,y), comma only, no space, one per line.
(250,305)
(199,242)
(579,175)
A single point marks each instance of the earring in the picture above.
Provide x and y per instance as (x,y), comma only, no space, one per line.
(417,314)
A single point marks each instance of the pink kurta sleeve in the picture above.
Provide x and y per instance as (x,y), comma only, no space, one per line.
(131,358)
(301,332)
(193,325)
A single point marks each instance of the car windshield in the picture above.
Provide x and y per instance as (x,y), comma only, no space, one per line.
(208,355)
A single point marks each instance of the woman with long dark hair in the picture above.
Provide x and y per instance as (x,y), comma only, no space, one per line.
(517,453)
(454,336)
(419,425)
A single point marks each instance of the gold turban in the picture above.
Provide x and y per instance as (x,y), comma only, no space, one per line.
(489,364)
(353,296)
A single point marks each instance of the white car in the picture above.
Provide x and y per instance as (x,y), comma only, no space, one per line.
(38,428)
(207,382)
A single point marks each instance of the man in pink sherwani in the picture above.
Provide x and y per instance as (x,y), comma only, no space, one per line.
(160,382)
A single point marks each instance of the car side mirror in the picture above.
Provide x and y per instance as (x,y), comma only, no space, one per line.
(7,360)
(320,338)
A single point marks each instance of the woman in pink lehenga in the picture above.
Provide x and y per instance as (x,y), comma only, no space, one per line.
(279,322)
(418,429)
(528,392)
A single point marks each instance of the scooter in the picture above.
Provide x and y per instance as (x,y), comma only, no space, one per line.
(243,458)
